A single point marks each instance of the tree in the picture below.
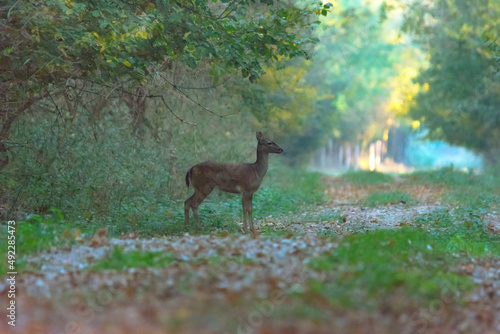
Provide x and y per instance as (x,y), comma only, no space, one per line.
(349,89)
(460,105)
(55,49)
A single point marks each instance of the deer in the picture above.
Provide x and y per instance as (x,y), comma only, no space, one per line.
(242,178)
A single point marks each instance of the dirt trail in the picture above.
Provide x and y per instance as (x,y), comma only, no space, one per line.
(214,282)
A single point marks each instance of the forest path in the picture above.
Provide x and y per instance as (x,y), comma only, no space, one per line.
(234,283)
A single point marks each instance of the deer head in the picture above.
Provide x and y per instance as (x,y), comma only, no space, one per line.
(267,145)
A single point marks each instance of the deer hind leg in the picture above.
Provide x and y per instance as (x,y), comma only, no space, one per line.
(187,206)
(195,200)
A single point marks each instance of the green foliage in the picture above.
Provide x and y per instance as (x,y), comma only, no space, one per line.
(359,57)
(109,178)
(291,107)
(371,265)
(107,40)
(101,175)
(363,177)
(492,38)
(336,94)
(120,260)
(74,57)
(386,197)
(460,105)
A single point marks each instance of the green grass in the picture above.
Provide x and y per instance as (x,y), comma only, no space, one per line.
(368,266)
(447,176)
(461,230)
(41,233)
(363,177)
(386,197)
(278,197)
(284,192)
(479,191)
(120,260)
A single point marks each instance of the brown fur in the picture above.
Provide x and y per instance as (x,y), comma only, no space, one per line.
(244,178)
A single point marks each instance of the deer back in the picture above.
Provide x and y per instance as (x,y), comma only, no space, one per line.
(232,178)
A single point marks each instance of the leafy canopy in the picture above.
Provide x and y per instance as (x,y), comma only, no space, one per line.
(460,104)
(49,41)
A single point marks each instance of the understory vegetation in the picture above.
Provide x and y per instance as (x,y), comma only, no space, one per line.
(416,259)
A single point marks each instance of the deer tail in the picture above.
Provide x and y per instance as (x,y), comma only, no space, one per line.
(188,176)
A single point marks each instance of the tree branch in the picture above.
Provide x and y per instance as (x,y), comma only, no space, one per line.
(172,112)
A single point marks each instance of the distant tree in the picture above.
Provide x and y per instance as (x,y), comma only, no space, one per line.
(359,72)
(461,103)
(492,38)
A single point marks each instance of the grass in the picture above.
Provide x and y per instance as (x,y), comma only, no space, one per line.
(417,261)
(447,176)
(461,230)
(286,190)
(413,266)
(368,266)
(363,177)
(221,212)
(120,260)
(386,197)
(463,188)
(481,191)
(278,196)
(41,233)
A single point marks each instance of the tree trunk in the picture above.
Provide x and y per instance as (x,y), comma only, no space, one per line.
(7,121)
(137,108)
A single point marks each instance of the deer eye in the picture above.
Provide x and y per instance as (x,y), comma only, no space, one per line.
(269,143)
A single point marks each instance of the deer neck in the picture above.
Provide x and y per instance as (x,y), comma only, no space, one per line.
(262,163)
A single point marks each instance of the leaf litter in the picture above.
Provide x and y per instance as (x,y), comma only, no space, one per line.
(216,282)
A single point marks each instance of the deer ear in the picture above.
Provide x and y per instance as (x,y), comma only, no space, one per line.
(259,135)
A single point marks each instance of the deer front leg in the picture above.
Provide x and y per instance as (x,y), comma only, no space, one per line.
(245,209)
(249,210)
